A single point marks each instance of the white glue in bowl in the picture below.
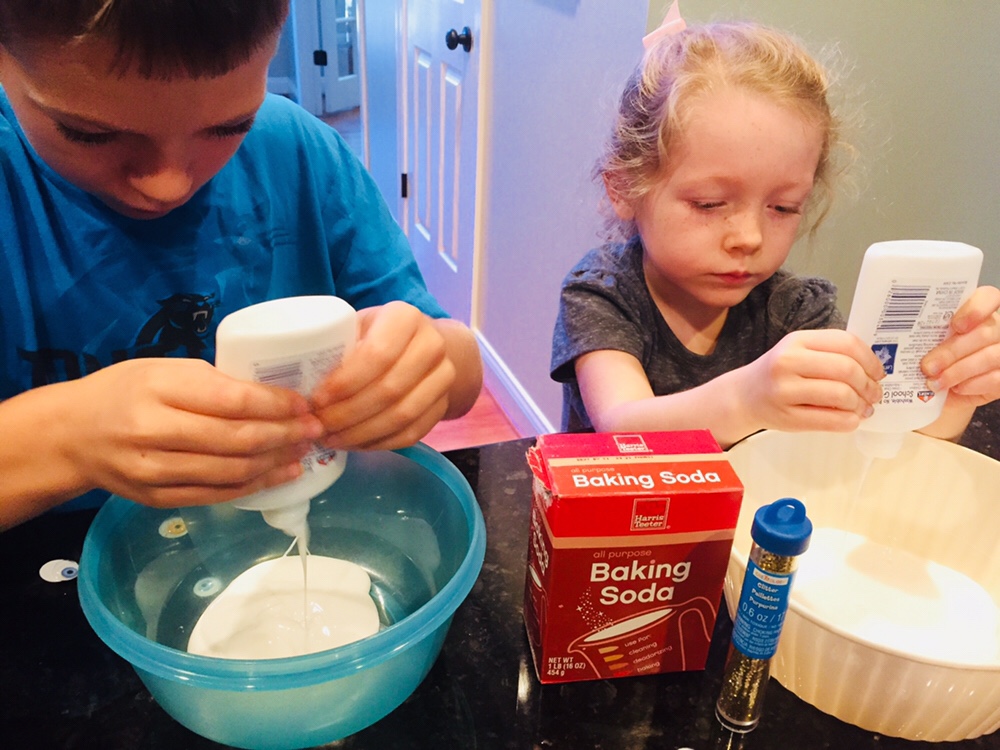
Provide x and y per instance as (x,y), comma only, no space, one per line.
(408,518)
(920,530)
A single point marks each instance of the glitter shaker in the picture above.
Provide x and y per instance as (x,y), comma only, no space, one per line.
(780,533)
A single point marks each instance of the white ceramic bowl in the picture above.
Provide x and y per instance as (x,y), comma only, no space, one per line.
(936,500)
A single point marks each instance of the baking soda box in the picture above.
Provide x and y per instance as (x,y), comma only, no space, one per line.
(630,536)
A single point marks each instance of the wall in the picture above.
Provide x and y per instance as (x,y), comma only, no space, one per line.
(283,64)
(379,97)
(552,88)
(924,75)
(281,74)
(921,72)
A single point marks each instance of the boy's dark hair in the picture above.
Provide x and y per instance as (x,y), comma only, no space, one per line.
(159,38)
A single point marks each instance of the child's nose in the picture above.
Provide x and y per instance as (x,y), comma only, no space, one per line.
(165,184)
(161,171)
(744,233)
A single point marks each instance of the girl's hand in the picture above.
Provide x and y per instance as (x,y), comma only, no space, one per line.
(968,360)
(176,432)
(393,387)
(824,380)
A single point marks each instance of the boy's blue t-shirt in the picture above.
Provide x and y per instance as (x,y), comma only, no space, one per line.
(81,286)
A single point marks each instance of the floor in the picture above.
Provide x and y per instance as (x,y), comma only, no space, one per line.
(486,422)
(348,124)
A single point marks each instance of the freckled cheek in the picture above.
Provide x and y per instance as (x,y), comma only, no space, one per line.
(778,242)
(784,232)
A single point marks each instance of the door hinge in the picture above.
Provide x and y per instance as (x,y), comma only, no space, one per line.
(319,57)
(404,185)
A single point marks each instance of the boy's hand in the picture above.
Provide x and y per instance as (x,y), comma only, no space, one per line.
(824,380)
(968,360)
(393,387)
(176,432)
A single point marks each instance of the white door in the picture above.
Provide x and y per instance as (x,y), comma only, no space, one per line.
(439,122)
(338,22)
(326,56)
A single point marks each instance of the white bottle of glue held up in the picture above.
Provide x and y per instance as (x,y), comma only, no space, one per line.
(291,342)
(907,293)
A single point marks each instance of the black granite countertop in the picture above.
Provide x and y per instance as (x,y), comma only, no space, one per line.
(63,689)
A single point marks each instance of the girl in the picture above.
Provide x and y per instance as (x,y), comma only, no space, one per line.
(724,140)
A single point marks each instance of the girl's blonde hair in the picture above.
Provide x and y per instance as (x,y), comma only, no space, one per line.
(678,69)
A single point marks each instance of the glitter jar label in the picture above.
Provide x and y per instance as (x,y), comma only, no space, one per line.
(761,613)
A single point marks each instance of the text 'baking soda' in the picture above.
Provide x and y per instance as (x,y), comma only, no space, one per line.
(630,536)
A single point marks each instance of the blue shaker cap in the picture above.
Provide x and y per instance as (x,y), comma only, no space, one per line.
(782,527)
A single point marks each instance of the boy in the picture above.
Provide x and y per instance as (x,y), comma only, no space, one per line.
(148,187)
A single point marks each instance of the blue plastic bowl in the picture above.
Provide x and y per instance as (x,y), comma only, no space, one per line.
(408,517)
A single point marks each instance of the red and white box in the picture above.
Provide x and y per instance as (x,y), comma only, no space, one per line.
(630,536)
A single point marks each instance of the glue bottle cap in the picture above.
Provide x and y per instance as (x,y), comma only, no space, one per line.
(879,444)
(782,527)
(290,518)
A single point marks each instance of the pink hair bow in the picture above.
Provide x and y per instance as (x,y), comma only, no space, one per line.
(671,25)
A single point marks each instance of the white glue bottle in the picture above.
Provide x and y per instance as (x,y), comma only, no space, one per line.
(291,342)
(907,293)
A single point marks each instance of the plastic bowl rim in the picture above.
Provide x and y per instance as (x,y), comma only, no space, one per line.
(294,671)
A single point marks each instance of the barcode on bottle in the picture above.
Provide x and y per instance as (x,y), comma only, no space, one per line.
(285,374)
(902,307)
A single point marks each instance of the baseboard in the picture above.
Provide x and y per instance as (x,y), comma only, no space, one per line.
(505,388)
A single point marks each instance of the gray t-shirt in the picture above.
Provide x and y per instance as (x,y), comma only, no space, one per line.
(605,304)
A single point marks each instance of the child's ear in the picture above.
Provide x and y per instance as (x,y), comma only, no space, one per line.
(623,209)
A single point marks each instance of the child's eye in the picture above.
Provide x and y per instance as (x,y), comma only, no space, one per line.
(787,209)
(83,136)
(229,131)
(707,205)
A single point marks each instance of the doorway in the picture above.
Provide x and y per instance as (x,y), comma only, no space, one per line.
(320,56)
(441,46)
(338,38)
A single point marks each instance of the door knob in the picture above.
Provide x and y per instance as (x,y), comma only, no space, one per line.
(453,39)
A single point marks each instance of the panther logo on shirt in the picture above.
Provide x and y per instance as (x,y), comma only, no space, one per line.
(181,324)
